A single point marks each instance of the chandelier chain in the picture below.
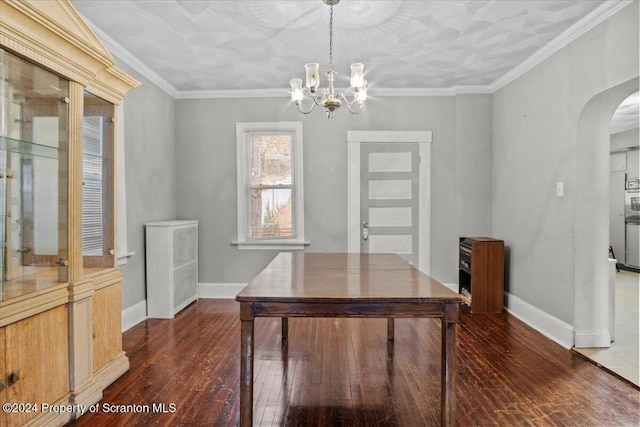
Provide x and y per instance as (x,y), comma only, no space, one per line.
(331,37)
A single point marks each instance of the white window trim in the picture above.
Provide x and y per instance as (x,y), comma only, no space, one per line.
(288,244)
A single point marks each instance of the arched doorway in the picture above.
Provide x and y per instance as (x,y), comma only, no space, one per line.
(591,267)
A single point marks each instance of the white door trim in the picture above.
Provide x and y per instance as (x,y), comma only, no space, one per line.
(424,138)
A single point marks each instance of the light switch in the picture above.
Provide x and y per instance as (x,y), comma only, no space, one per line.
(560,189)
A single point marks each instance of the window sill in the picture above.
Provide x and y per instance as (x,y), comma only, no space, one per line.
(270,245)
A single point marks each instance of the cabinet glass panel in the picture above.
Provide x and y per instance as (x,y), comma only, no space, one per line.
(34,110)
(97,184)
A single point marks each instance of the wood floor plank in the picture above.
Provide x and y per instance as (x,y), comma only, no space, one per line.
(343,372)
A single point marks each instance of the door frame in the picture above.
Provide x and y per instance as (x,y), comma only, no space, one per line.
(424,139)
(591,267)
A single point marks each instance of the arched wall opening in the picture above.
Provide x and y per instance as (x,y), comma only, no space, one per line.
(591,242)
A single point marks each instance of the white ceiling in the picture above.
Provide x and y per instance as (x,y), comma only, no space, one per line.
(225,48)
(260,45)
(627,115)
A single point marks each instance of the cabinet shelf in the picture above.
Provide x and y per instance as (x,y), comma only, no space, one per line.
(32,149)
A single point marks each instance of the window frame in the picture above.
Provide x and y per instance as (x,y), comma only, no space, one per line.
(244,131)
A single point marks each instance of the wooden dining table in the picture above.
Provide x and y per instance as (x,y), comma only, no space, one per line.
(300,284)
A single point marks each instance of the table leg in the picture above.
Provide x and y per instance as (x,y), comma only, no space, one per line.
(285,328)
(390,328)
(246,365)
(448,365)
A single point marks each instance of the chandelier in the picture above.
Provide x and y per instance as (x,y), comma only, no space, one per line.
(330,100)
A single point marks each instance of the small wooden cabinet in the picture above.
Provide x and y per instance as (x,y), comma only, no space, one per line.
(481,274)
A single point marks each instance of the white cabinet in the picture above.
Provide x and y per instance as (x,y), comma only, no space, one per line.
(618,162)
(172,267)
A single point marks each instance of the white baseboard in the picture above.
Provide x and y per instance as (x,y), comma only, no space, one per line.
(219,290)
(593,339)
(549,326)
(133,315)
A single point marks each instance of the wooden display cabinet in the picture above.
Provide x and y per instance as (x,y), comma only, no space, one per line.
(60,290)
(481,274)
(3,379)
(37,364)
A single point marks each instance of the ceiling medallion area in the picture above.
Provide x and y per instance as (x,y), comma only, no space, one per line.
(300,20)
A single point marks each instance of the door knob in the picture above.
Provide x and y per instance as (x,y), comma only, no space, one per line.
(365,230)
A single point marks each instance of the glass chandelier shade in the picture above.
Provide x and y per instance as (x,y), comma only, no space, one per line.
(330,100)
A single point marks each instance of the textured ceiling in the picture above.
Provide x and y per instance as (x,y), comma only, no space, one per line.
(627,115)
(260,45)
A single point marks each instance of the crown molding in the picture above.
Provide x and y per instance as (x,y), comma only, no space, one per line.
(39,31)
(444,91)
(125,56)
(598,15)
(379,92)
(234,93)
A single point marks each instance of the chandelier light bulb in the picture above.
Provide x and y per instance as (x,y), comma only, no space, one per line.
(313,80)
(297,95)
(361,94)
(357,75)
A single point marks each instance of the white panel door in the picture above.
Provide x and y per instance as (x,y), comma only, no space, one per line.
(389,199)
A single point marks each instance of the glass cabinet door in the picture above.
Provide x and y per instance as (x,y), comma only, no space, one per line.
(34,111)
(98,228)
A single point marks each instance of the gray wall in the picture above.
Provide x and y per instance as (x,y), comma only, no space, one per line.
(150,174)
(535,120)
(474,135)
(206,173)
(496,160)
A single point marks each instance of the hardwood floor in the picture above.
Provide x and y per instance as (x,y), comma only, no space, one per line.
(342,372)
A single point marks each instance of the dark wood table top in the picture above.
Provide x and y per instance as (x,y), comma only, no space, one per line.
(343,277)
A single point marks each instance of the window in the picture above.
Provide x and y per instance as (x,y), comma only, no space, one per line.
(270,199)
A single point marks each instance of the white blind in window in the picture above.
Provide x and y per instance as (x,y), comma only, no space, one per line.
(92,219)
